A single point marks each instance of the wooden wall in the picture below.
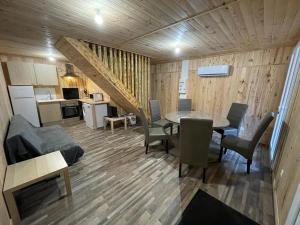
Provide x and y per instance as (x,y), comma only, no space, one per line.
(5,115)
(130,68)
(257,78)
(164,85)
(286,173)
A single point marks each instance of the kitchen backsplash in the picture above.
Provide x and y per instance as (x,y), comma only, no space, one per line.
(45,93)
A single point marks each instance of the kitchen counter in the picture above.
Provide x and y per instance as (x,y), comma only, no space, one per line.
(52,100)
(92,102)
(83,100)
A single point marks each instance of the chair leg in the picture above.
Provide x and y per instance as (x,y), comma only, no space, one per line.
(225,150)
(162,142)
(220,154)
(249,162)
(180,169)
(167,146)
(204,174)
(147,147)
(171,131)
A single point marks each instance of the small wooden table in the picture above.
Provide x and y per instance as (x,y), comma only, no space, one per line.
(23,174)
(218,122)
(115,119)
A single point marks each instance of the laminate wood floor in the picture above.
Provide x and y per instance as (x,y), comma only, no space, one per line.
(116,183)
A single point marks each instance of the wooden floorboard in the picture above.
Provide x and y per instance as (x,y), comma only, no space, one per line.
(116,183)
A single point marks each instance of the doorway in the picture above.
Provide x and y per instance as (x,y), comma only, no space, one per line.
(286,99)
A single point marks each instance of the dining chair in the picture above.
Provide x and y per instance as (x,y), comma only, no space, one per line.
(194,142)
(153,133)
(246,147)
(156,120)
(235,116)
(185,104)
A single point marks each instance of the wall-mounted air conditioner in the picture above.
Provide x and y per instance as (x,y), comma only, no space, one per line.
(214,71)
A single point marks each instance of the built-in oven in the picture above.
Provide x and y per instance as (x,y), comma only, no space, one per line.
(70,109)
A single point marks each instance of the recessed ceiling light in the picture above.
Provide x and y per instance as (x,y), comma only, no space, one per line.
(98,18)
(177,50)
(51,58)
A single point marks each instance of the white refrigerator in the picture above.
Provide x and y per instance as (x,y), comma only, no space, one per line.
(24,103)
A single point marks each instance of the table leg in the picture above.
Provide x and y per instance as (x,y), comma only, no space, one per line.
(12,207)
(112,125)
(104,124)
(67,182)
(125,123)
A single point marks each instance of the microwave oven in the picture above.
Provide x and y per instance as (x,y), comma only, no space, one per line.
(96,97)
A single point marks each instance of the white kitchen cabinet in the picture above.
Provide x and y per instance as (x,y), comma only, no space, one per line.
(94,114)
(21,73)
(45,74)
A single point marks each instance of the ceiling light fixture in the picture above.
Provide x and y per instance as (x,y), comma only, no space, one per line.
(51,59)
(98,17)
(177,50)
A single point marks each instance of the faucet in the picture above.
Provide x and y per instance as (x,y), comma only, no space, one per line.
(50,96)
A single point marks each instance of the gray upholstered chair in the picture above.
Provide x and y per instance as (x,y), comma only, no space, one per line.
(185,104)
(153,133)
(195,138)
(235,116)
(156,120)
(246,147)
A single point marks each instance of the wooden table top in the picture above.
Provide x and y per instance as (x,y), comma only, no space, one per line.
(25,173)
(218,122)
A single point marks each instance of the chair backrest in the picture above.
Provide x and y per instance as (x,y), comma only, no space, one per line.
(145,124)
(185,105)
(236,114)
(263,125)
(195,137)
(154,106)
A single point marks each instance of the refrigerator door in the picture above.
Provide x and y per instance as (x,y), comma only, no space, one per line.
(21,92)
(88,115)
(24,103)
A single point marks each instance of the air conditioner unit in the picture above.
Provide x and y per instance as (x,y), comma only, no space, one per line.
(214,71)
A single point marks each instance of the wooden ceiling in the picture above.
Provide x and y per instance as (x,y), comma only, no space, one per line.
(152,28)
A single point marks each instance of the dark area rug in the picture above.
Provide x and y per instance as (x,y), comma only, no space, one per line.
(207,210)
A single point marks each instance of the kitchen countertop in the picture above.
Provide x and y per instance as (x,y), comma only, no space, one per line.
(83,100)
(51,100)
(92,102)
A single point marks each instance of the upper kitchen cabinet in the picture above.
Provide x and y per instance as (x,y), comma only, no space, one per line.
(46,74)
(21,73)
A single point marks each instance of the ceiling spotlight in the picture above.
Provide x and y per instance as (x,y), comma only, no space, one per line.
(51,58)
(177,50)
(98,17)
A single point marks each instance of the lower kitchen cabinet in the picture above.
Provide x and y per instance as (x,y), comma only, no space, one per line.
(50,112)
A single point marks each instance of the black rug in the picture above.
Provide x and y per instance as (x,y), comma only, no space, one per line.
(207,210)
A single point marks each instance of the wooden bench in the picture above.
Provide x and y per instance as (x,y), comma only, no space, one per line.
(23,174)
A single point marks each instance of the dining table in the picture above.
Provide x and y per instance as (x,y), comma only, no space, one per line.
(218,121)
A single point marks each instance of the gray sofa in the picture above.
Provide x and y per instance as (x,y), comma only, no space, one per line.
(24,141)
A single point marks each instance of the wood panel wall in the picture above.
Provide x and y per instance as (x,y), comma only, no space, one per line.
(164,85)
(286,172)
(5,115)
(257,78)
(130,68)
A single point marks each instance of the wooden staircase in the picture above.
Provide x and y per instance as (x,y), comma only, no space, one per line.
(88,62)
